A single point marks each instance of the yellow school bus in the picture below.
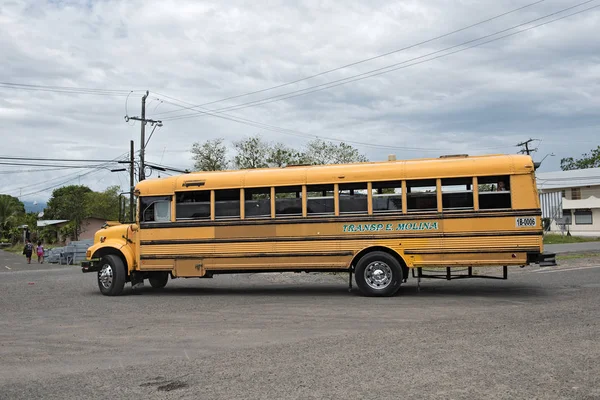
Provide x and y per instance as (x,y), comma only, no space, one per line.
(377,221)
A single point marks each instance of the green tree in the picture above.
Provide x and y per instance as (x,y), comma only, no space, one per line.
(321,152)
(11,210)
(104,205)
(252,152)
(280,155)
(70,203)
(591,160)
(210,155)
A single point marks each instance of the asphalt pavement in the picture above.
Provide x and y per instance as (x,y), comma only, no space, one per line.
(572,247)
(300,336)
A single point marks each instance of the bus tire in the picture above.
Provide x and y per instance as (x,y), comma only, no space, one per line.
(111,275)
(158,280)
(378,274)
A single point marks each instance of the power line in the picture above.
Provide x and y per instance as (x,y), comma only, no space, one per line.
(71,176)
(49,165)
(394,67)
(54,159)
(291,132)
(23,171)
(60,184)
(366,59)
(66,89)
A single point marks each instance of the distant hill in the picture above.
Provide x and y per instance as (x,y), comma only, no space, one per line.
(30,207)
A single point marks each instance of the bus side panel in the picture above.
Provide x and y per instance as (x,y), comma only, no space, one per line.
(524,192)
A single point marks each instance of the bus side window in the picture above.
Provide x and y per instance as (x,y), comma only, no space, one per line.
(319,200)
(227,203)
(257,203)
(354,198)
(288,201)
(457,193)
(421,195)
(192,205)
(494,192)
(387,196)
(155,209)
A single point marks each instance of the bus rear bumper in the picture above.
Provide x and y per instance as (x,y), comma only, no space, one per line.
(543,259)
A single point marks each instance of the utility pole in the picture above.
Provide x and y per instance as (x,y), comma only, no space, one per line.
(131,181)
(143,143)
(526,150)
(131,163)
(143,137)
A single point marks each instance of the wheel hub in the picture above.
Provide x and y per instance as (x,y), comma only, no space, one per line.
(378,275)
(106,276)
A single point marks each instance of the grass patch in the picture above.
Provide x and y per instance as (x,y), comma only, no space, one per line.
(560,239)
(576,256)
(15,248)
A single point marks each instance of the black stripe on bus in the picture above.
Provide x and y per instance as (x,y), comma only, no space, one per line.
(473,251)
(343,218)
(337,237)
(243,255)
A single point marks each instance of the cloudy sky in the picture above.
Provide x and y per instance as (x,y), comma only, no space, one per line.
(542,83)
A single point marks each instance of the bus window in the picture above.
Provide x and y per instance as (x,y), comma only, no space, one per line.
(494,192)
(353,198)
(457,194)
(192,205)
(387,196)
(257,202)
(227,203)
(155,209)
(421,195)
(288,201)
(320,200)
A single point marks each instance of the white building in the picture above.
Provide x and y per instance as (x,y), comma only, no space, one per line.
(580,191)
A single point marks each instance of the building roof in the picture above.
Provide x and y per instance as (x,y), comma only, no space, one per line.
(49,222)
(568,179)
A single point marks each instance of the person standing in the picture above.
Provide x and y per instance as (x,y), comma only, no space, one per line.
(28,250)
(40,252)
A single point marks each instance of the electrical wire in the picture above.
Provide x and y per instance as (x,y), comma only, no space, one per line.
(74,174)
(368,59)
(67,89)
(47,165)
(53,159)
(291,132)
(23,171)
(60,184)
(392,67)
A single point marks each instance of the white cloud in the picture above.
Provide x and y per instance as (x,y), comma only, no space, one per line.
(543,83)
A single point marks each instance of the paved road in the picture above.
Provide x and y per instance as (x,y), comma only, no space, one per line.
(301,337)
(572,247)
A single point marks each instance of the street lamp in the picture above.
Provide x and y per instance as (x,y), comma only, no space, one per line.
(536,165)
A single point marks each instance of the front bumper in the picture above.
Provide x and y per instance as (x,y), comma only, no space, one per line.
(90,266)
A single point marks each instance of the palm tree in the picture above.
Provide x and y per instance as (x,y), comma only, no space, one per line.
(8,214)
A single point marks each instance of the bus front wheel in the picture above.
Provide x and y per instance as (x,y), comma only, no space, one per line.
(378,274)
(158,280)
(111,275)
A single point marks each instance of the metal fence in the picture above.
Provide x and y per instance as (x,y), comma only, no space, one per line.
(551,204)
(73,253)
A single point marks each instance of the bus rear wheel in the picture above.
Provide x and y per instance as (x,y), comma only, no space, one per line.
(158,280)
(111,276)
(378,274)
